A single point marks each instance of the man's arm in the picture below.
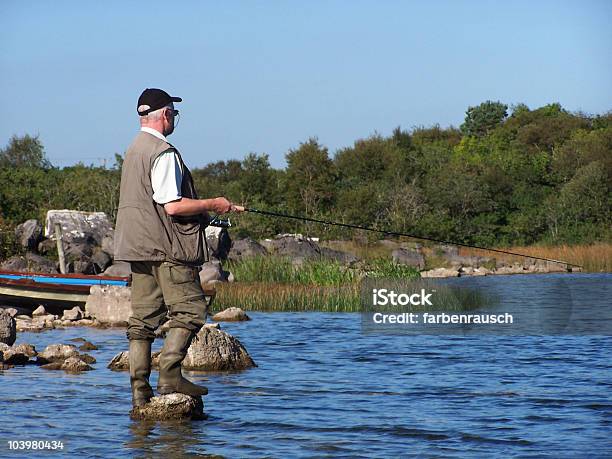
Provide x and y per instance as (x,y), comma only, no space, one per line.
(187,206)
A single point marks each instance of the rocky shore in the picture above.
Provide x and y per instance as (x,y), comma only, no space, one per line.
(87,240)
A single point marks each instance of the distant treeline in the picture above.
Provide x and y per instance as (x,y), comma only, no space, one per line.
(540,175)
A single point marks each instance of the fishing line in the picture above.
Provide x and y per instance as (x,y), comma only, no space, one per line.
(397,233)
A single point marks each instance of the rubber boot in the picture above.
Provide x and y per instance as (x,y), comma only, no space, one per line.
(170,376)
(140,370)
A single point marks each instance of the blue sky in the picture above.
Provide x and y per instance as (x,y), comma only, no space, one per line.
(263,76)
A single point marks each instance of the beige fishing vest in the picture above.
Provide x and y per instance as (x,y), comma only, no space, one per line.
(144,231)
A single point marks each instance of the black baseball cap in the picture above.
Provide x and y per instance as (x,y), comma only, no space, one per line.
(153,99)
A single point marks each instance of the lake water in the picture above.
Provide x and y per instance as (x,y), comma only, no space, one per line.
(325,388)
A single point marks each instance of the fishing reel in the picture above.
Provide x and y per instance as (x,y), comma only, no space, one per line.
(219,223)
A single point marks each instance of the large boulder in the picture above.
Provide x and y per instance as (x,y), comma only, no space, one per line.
(79,247)
(170,407)
(78,225)
(218,241)
(211,350)
(29,234)
(297,247)
(214,349)
(246,248)
(30,263)
(109,304)
(8,328)
(409,257)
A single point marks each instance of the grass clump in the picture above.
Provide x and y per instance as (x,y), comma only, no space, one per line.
(270,283)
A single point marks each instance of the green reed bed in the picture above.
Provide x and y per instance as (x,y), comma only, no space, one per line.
(288,297)
(280,284)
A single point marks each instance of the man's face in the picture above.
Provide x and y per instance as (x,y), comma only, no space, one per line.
(168,118)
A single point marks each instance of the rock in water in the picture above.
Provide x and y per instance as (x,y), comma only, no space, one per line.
(231,315)
(88,346)
(214,349)
(211,350)
(75,365)
(120,362)
(17,355)
(171,406)
(57,353)
(8,328)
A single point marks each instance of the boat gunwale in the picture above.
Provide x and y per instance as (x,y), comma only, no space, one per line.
(68,276)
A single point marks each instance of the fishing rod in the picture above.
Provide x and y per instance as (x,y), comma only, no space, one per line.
(397,233)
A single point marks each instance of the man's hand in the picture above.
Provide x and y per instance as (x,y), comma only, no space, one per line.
(222,206)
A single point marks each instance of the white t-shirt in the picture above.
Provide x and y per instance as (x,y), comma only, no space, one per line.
(166,173)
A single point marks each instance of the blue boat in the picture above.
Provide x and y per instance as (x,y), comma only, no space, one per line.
(63,290)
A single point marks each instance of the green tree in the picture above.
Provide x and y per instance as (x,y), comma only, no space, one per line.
(482,119)
(26,151)
(310,178)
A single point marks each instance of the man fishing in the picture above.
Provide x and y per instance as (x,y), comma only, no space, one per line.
(160,225)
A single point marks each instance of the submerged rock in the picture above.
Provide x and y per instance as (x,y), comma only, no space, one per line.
(231,315)
(88,346)
(171,406)
(70,365)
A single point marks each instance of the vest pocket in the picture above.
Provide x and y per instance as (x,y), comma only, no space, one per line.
(187,244)
(180,274)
